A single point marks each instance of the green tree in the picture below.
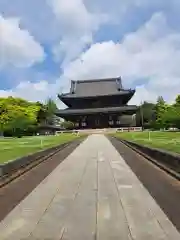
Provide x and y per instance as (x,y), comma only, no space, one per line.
(17,115)
(19,125)
(46,112)
(177,101)
(174,113)
(161,109)
(67,125)
(172,116)
(50,111)
(145,111)
(42,113)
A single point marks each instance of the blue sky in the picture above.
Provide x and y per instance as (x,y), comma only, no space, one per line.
(46,43)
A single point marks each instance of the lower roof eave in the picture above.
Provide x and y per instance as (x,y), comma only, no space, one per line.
(113,110)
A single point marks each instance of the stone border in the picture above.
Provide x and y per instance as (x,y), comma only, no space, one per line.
(169,162)
(11,167)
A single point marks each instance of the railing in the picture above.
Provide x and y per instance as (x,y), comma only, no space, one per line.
(129,129)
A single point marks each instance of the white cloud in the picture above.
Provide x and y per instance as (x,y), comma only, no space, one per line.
(150,55)
(77,25)
(17,46)
(35,15)
(39,91)
(121,11)
(70,25)
(147,58)
(30,91)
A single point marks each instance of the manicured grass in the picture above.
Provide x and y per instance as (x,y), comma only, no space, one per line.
(164,140)
(13,148)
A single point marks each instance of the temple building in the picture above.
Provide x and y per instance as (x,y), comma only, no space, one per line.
(98,103)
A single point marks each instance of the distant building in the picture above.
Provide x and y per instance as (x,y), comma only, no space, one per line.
(98,103)
(47,129)
(50,129)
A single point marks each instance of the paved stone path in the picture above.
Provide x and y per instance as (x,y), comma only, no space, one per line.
(93,194)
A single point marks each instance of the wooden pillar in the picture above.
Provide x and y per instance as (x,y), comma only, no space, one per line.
(110,120)
(84,122)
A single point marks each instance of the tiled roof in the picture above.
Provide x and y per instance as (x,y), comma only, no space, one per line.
(96,87)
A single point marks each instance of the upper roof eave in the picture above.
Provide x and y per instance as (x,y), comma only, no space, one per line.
(120,93)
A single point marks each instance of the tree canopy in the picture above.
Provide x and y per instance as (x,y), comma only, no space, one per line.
(145,113)
(160,115)
(19,116)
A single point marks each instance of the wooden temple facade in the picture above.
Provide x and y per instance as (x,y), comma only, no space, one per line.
(98,103)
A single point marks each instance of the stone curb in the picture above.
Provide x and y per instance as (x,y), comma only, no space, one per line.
(167,161)
(7,178)
(13,166)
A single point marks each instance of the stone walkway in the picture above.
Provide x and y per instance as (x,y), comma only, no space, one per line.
(92,195)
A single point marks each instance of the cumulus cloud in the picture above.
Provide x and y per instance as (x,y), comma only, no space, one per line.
(39,91)
(35,15)
(31,91)
(148,58)
(17,46)
(77,25)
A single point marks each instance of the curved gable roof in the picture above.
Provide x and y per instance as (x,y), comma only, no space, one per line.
(96,87)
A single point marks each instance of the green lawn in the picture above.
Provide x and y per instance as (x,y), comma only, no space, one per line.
(13,148)
(164,140)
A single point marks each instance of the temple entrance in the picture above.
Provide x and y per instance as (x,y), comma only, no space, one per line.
(101,121)
(97,122)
